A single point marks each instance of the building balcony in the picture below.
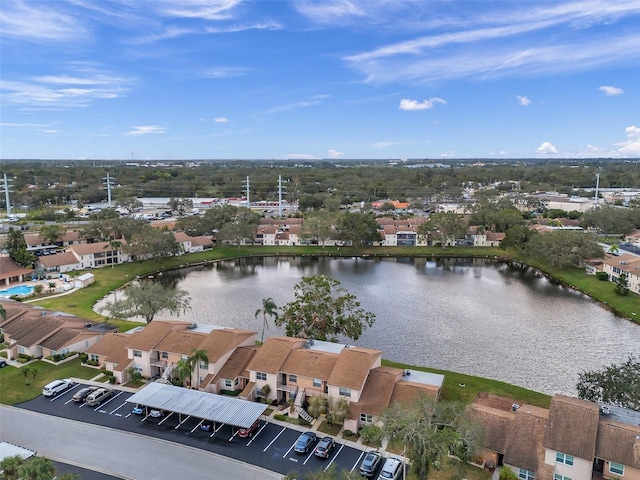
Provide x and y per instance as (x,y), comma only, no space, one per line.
(290,388)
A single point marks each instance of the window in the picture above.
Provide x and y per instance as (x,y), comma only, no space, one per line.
(366,418)
(557,476)
(344,392)
(236,382)
(165,355)
(564,458)
(227,383)
(525,474)
(261,376)
(138,368)
(204,364)
(616,468)
(93,357)
(317,382)
(293,378)
(137,353)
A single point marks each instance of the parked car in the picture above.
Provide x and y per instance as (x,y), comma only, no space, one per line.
(138,409)
(3,363)
(248,432)
(155,413)
(391,470)
(52,389)
(99,396)
(82,394)
(370,464)
(206,426)
(323,450)
(305,442)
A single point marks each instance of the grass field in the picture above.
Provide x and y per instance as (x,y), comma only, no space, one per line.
(14,390)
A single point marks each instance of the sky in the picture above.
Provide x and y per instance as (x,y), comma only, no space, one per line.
(309,80)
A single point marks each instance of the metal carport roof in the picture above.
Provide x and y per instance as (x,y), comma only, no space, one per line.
(217,408)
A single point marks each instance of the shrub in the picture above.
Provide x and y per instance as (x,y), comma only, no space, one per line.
(371,435)
(347,433)
(93,363)
(23,358)
(84,357)
(282,418)
(231,393)
(57,357)
(602,276)
(112,380)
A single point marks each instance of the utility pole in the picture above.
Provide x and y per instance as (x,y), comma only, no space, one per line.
(6,187)
(280,193)
(247,188)
(595,200)
(108,183)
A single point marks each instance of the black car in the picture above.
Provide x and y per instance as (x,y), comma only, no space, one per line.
(305,442)
(3,363)
(82,394)
(206,426)
(370,464)
(323,450)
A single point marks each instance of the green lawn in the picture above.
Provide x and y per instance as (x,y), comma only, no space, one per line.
(13,389)
(452,391)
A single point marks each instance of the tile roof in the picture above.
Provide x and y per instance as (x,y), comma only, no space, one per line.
(524,447)
(30,331)
(352,367)
(309,363)
(58,259)
(91,248)
(201,241)
(181,237)
(66,336)
(573,426)
(619,442)
(222,341)
(495,422)
(147,338)
(236,365)
(377,392)
(9,268)
(113,346)
(273,353)
(405,391)
(180,341)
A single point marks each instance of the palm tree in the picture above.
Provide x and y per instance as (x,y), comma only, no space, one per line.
(38,468)
(337,410)
(184,369)
(614,249)
(10,467)
(317,406)
(270,308)
(198,356)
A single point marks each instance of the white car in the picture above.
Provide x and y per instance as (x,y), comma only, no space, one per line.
(156,413)
(51,389)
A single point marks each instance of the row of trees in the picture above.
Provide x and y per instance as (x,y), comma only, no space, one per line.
(34,468)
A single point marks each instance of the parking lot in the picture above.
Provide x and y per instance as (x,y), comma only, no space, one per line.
(271,446)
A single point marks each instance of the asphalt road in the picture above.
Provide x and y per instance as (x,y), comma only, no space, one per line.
(119,453)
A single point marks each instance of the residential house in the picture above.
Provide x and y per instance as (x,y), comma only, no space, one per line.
(99,254)
(279,231)
(626,262)
(633,236)
(59,262)
(618,447)
(11,272)
(266,234)
(111,354)
(39,333)
(478,237)
(401,232)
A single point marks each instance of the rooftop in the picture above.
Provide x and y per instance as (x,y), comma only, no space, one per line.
(619,414)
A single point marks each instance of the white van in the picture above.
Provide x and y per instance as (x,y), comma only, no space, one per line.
(97,397)
(51,389)
(391,470)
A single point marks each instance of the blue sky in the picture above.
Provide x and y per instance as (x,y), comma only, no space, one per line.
(233,79)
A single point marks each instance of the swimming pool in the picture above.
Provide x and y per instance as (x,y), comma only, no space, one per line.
(18,290)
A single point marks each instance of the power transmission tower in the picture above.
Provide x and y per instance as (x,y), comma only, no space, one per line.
(247,188)
(108,184)
(6,188)
(281,191)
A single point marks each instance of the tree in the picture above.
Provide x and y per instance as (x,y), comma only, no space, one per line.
(37,468)
(507,474)
(146,299)
(614,384)
(317,406)
(240,228)
(269,308)
(150,243)
(444,227)
(318,227)
(130,204)
(517,237)
(337,410)
(622,285)
(562,248)
(16,246)
(51,233)
(430,430)
(29,374)
(184,370)
(134,375)
(197,357)
(10,467)
(357,228)
(323,310)
(180,205)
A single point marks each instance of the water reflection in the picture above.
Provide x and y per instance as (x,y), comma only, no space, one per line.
(498,320)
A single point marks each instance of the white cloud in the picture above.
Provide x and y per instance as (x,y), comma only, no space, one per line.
(611,91)
(335,153)
(225,72)
(221,120)
(524,101)
(300,156)
(146,129)
(205,9)
(335,12)
(407,104)
(37,22)
(632,146)
(22,125)
(546,148)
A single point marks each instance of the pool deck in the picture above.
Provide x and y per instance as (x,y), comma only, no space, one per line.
(58,290)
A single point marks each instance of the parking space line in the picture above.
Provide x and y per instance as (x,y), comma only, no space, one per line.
(106,403)
(357,461)
(288,451)
(165,419)
(310,455)
(179,424)
(276,437)
(117,408)
(231,437)
(257,433)
(334,457)
(216,430)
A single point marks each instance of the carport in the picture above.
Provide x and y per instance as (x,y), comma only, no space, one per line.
(193,403)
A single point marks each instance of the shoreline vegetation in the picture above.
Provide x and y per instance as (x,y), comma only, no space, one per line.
(81,302)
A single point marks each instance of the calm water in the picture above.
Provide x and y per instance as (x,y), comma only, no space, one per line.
(474,316)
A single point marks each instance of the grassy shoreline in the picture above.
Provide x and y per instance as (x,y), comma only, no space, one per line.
(108,279)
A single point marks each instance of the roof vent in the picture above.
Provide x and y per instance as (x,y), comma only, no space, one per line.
(192,326)
(515,407)
(605,409)
(407,372)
